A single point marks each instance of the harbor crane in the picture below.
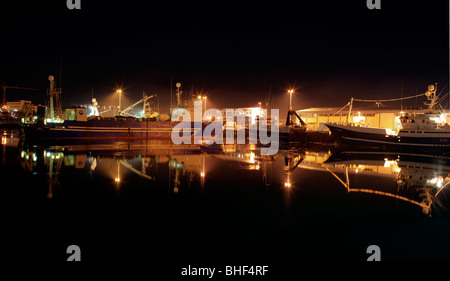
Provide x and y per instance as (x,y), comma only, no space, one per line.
(54,93)
(4,87)
(136,103)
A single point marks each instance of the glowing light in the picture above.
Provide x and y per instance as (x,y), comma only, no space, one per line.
(440,120)
(443,119)
(252,157)
(287,183)
(388,163)
(256,111)
(3,140)
(202,174)
(290,91)
(391,132)
(436,181)
(117,180)
(359,118)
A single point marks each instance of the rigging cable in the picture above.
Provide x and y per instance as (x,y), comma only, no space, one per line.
(388,100)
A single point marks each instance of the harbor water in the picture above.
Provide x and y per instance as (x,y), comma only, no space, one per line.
(173,205)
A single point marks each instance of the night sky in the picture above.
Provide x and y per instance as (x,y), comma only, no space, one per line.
(235,53)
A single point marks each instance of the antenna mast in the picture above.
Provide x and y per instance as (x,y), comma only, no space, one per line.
(171,91)
(431,95)
(179,92)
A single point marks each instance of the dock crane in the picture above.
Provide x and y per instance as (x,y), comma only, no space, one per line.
(4,87)
(136,103)
(54,93)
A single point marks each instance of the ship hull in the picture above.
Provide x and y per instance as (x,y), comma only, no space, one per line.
(107,129)
(375,137)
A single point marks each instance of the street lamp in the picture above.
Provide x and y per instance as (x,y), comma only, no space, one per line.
(119,91)
(290,98)
(200,97)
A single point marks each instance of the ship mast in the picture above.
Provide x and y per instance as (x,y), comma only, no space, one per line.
(54,93)
(350,110)
(179,92)
(431,96)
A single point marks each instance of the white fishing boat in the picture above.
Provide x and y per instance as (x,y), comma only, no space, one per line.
(427,130)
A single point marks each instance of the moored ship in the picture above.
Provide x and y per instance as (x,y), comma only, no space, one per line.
(51,125)
(105,128)
(427,130)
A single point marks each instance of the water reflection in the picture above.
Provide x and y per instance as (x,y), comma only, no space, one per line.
(416,179)
(8,139)
(419,178)
(292,158)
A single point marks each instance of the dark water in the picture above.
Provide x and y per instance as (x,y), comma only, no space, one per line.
(179,205)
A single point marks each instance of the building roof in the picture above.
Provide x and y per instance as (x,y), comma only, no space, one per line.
(358,109)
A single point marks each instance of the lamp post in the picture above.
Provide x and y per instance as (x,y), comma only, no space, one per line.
(202,98)
(119,91)
(290,111)
(290,98)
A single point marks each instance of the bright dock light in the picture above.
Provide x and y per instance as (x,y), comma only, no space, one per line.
(119,91)
(290,91)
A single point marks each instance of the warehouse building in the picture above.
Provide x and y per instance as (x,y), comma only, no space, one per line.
(378,117)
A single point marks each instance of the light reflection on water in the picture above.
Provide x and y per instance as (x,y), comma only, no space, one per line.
(419,178)
(235,184)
